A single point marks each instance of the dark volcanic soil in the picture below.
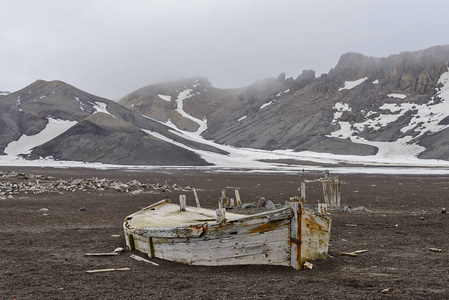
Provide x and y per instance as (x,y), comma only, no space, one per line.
(42,252)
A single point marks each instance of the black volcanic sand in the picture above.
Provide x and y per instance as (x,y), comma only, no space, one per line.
(42,256)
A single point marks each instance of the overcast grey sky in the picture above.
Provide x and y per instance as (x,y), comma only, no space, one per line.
(110,47)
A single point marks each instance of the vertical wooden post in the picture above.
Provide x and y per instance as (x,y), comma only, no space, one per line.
(322,208)
(224,200)
(303,191)
(231,202)
(222,203)
(196,199)
(334,192)
(131,244)
(151,246)
(221,217)
(339,191)
(237,197)
(182,202)
(295,235)
(325,194)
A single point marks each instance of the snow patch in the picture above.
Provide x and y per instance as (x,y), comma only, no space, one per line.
(101,107)
(165,97)
(399,96)
(376,81)
(352,84)
(266,104)
(25,143)
(241,119)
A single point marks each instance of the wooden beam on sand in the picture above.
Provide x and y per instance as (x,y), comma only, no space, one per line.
(108,270)
(138,258)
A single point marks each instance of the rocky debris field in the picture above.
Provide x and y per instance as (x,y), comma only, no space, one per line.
(396,247)
(13,183)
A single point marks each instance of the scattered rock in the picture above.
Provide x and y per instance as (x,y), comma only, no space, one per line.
(83,208)
(443,210)
(118,250)
(270,205)
(262,202)
(385,291)
(37,184)
(44,209)
(308,265)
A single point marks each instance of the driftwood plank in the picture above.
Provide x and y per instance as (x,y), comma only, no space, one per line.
(102,254)
(237,198)
(138,258)
(108,270)
(196,199)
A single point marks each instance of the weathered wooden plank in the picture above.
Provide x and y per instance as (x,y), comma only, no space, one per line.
(221,215)
(168,215)
(108,270)
(295,236)
(217,252)
(191,231)
(315,233)
(339,191)
(237,197)
(231,241)
(196,199)
(138,258)
(325,193)
(102,254)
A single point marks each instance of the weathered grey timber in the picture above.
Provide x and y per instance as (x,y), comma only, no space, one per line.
(287,236)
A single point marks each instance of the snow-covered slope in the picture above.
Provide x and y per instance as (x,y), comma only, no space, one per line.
(368,111)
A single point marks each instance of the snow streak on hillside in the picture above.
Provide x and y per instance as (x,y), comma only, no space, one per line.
(180,109)
(247,158)
(25,143)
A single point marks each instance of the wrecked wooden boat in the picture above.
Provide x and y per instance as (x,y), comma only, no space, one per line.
(287,236)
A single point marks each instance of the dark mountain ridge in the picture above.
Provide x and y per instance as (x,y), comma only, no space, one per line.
(360,105)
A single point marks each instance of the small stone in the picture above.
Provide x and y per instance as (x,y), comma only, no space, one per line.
(308,265)
(83,208)
(261,202)
(270,205)
(385,291)
(443,210)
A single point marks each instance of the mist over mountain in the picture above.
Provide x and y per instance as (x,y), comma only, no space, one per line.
(365,106)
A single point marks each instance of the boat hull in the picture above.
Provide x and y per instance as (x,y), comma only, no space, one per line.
(288,236)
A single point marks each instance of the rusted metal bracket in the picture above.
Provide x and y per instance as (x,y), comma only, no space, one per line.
(295,241)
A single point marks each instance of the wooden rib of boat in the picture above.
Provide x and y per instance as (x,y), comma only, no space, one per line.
(288,236)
